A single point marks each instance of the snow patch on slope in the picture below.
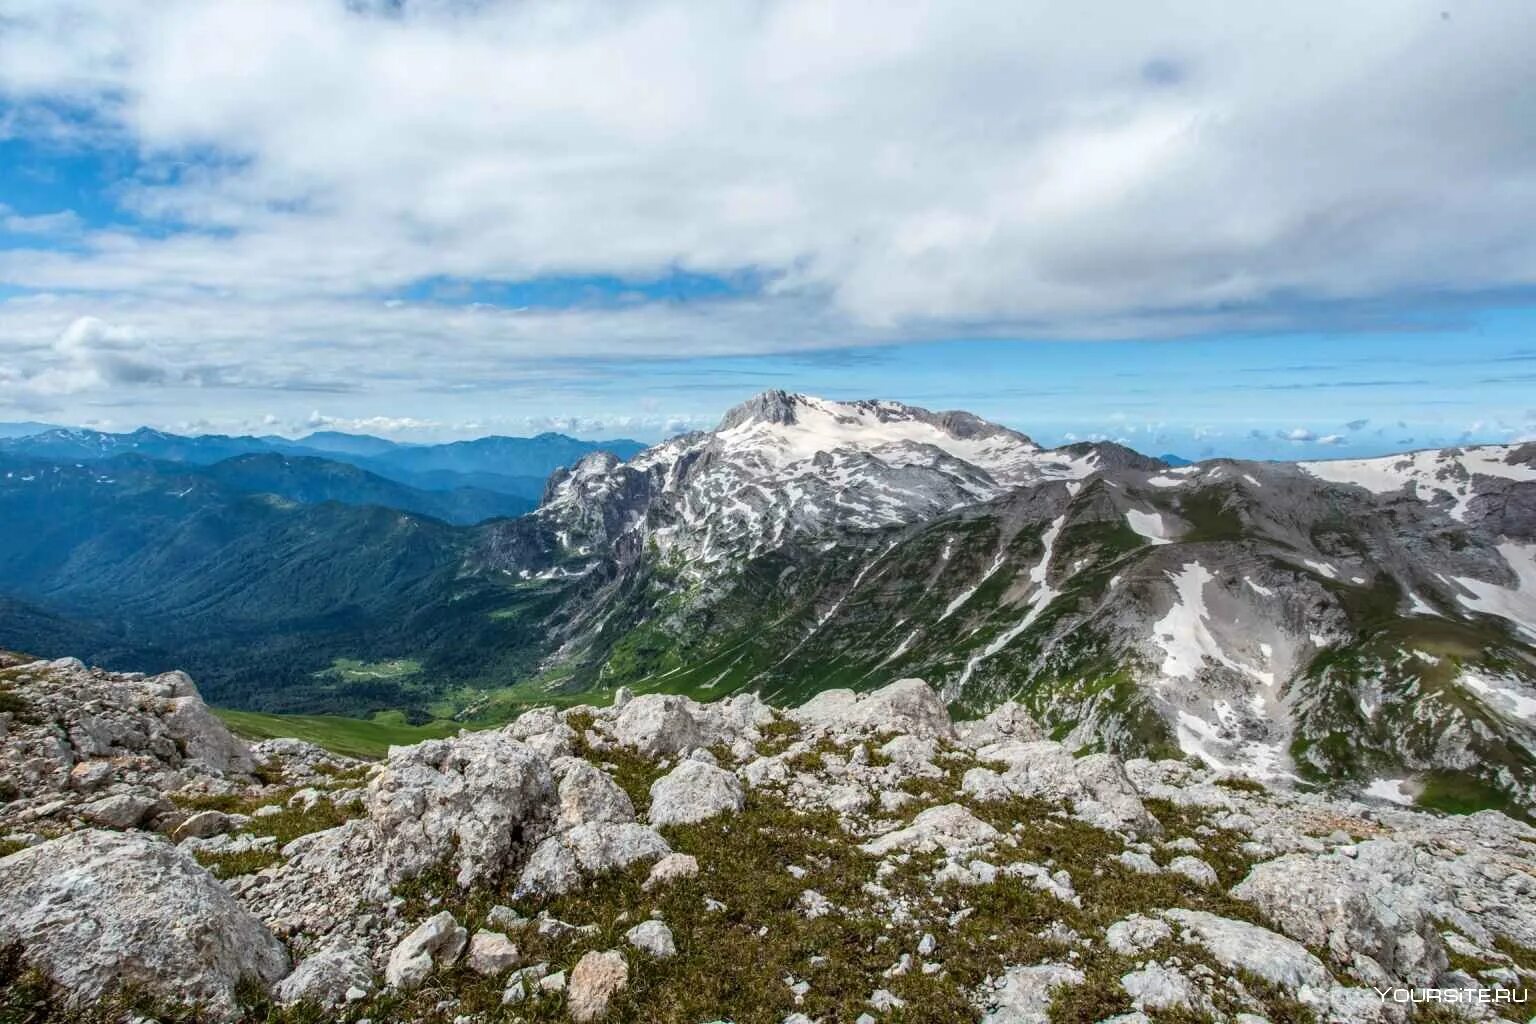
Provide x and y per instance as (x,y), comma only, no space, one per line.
(1515,604)
(1149,525)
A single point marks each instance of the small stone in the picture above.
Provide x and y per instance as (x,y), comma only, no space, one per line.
(652,938)
(595,980)
(672,867)
(436,942)
(491,953)
(202,825)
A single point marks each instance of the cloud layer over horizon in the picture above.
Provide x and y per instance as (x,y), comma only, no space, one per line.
(454,197)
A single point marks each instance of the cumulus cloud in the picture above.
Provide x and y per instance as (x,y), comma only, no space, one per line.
(965,164)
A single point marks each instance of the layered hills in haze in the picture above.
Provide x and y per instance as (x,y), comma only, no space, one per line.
(1370,621)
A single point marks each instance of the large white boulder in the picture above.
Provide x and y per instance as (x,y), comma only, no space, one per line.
(693,792)
(907,706)
(100,911)
(659,725)
(587,793)
(562,861)
(479,798)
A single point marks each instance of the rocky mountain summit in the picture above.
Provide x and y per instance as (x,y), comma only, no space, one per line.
(862,857)
(1367,622)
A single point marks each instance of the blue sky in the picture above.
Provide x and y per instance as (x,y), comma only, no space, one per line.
(1271,233)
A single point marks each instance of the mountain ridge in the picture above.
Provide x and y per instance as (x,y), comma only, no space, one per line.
(1365,621)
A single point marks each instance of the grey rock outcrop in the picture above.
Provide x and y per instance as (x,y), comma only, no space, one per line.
(479,798)
(694,792)
(330,977)
(101,911)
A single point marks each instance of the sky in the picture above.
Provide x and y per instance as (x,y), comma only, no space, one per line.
(1274,231)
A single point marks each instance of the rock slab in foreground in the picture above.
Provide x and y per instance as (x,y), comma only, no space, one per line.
(129,910)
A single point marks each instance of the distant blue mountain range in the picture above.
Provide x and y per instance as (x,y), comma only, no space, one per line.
(514,467)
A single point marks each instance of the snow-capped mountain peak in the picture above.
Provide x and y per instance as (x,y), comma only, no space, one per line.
(784,464)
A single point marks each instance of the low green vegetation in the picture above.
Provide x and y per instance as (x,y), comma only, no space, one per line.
(354,737)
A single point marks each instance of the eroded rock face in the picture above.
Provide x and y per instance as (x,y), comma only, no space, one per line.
(480,799)
(99,911)
(87,736)
(1374,910)
(563,861)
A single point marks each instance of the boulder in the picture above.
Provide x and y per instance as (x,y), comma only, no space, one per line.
(562,861)
(436,942)
(1023,995)
(1096,786)
(1194,869)
(587,794)
(1244,946)
(202,825)
(653,939)
(693,792)
(950,827)
(327,977)
(595,980)
(491,953)
(101,911)
(670,868)
(120,810)
(658,725)
(908,706)
(479,798)
(1009,720)
(1374,911)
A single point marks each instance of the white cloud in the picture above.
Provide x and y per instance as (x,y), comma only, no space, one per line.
(1331,439)
(997,166)
(1298,434)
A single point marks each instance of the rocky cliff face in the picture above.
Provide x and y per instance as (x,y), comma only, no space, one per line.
(1367,622)
(860,857)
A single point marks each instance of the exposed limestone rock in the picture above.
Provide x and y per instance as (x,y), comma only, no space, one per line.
(595,980)
(88,734)
(480,798)
(1373,910)
(658,725)
(1023,995)
(652,938)
(491,953)
(1248,947)
(908,706)
(588,794)
(562,861)
(951,828)
(1097,787)
(693,792)
(1008,721)
(670,868)
(100,911)
(327,977)
(435,943)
